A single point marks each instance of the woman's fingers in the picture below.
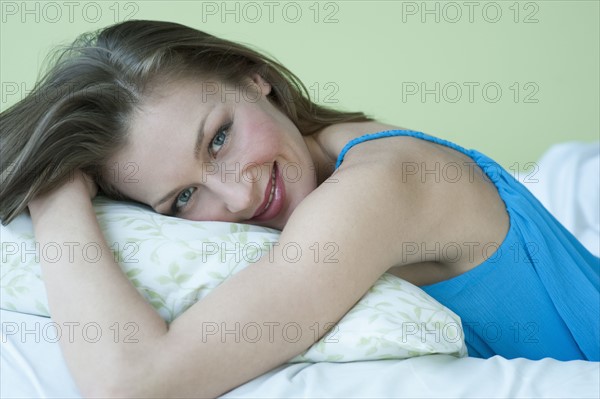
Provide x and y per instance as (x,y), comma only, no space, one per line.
(78,185)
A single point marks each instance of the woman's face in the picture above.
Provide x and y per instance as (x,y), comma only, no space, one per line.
(208,151)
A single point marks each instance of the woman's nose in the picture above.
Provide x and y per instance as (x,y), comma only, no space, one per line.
(235,193)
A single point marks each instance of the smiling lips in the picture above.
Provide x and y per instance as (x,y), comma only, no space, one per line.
(274,195)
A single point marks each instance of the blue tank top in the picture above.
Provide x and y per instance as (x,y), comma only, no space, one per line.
(537,295)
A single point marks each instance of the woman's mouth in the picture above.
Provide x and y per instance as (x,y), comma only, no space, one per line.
(274,196)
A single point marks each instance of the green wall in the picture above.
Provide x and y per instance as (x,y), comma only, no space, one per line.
(507,78)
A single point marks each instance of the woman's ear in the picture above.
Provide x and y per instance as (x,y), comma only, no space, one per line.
(263,85)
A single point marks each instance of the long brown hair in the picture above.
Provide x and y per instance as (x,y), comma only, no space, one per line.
(77,114)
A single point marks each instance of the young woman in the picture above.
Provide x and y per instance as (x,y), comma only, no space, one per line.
(216,131)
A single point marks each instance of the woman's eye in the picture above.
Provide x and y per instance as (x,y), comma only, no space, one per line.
(182,200)
(219,139)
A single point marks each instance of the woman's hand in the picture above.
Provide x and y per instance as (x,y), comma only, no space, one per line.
(78,187)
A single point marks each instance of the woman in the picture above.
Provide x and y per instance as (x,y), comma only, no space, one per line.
(204,129)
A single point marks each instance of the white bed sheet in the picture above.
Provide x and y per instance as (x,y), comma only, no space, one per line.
(32,367)
(568,185)
(566,180)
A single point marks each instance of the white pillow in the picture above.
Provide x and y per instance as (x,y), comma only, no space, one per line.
(175,262)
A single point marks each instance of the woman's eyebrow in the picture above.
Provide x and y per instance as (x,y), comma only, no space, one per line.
(166,198)
(200,137)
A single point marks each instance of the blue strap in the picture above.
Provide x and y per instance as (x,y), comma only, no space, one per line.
(396,132)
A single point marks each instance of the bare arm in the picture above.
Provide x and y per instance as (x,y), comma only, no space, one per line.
(288,303)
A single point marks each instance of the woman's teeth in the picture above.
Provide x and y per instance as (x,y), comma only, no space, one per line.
(272,190)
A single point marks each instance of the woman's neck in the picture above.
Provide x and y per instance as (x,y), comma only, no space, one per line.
(324,164)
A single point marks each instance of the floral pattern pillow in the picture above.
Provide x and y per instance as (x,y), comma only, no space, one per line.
(174,262)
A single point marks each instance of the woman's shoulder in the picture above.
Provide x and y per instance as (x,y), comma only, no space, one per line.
(365,203)
(400,181)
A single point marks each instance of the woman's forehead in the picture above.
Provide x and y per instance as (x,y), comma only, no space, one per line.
(202,90)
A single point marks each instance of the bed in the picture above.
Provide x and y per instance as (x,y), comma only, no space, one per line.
(565,179)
